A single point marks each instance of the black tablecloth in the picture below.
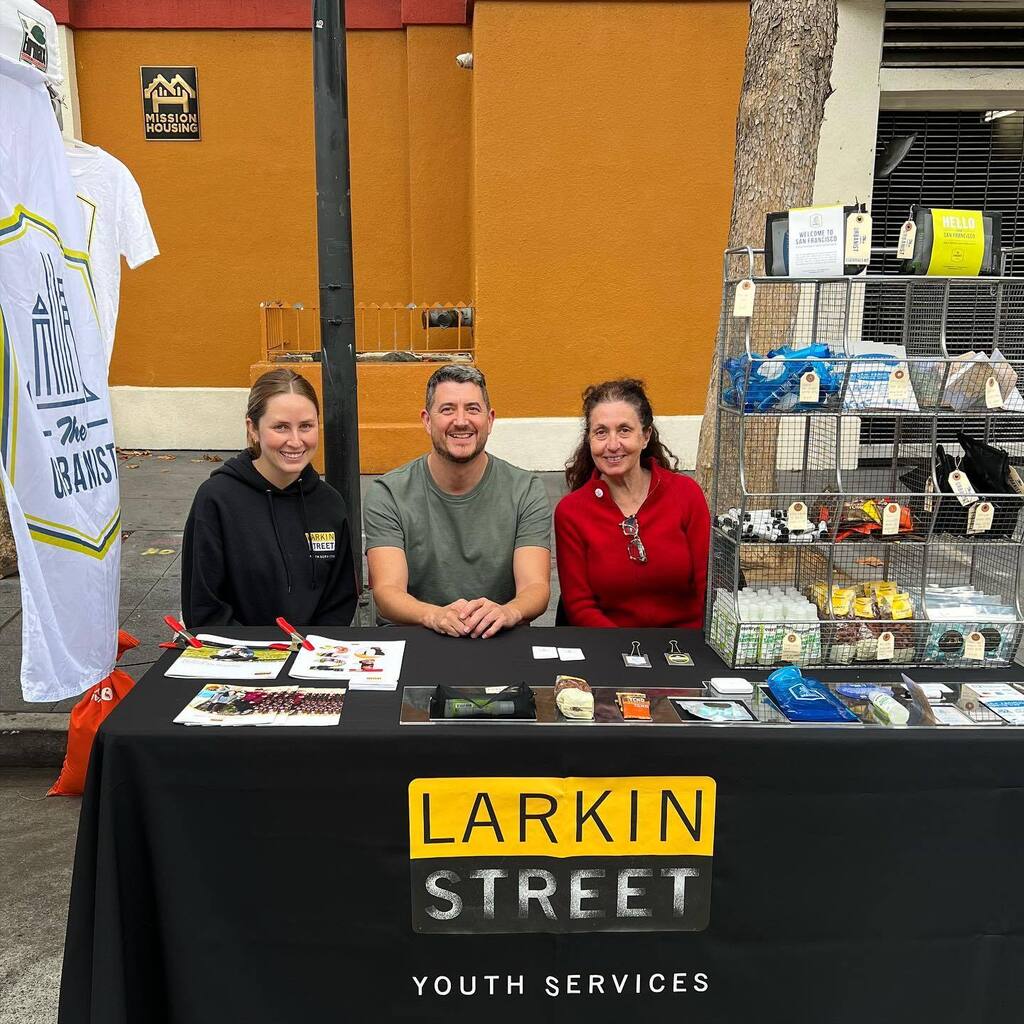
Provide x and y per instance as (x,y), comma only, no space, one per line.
(253,875)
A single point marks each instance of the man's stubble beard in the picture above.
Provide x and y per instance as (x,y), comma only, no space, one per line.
(442,451)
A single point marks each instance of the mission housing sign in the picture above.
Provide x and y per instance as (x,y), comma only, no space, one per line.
(561,854)
(170,104)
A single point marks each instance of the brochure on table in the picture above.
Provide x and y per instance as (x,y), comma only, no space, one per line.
(356,663)
(224,704)
(238,659)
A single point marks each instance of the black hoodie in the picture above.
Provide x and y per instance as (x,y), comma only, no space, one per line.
(252,552)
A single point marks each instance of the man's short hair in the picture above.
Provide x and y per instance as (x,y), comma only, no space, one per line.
(458,374)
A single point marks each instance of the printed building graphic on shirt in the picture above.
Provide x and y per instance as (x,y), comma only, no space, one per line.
(170,103)
(33,44)
(57,379)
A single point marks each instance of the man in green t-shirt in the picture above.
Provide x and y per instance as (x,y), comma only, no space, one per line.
(457,540)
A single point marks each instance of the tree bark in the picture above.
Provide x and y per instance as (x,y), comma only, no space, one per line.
(786,75)
(8,553)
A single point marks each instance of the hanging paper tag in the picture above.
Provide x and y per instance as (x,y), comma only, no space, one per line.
(891,519)
(810,388)
(790,646)
(858,239)
(974,647)
(1015,480)
(886,647)
(979,517)
(962,487)
(743,303)
(796,516)
(929,490)
(993,396)
(908,235)
(898,388)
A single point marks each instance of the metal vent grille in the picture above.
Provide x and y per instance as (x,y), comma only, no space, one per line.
(952,34)
(957,161)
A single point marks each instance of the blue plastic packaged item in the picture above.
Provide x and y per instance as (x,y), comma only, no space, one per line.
(774,380)
(802,699)
(856,691)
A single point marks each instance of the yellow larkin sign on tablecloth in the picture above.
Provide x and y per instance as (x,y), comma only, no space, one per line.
(958,243)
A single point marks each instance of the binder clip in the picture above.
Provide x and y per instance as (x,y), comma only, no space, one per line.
(636,658)
(676,657)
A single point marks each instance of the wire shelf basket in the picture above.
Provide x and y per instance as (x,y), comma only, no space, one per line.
(869,471)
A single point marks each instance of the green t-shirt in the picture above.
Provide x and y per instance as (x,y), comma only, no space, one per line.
(458,545)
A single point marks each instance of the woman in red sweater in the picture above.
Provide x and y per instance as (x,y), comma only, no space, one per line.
(631,534)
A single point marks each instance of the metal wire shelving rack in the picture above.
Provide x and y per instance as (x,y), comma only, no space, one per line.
(913,378)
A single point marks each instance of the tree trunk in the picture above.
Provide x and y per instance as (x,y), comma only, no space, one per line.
(782,103)
(8,553)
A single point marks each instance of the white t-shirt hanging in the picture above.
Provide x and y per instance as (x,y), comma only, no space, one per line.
(28,35)
(116,225)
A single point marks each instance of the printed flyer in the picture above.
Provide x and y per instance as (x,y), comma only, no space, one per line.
(221,704)
(817,238)
(239,661)
(362,666)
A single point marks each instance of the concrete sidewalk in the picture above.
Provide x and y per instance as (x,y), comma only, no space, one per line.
(156,494)
(37,835)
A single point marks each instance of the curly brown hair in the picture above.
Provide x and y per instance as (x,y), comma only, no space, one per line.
(580,468)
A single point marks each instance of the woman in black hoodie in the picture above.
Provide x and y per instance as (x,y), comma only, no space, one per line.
(266,536)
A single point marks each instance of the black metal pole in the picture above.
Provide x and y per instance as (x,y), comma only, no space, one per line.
(334,245)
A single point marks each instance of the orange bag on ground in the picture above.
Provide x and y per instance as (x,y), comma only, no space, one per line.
(97,702)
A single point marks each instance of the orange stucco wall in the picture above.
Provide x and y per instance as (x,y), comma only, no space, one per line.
(234,215)
(378,126)
(604,136)
(409,131)
(575,185)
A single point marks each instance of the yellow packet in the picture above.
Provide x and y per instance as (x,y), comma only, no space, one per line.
(901,606)
(842,602)
(864,608)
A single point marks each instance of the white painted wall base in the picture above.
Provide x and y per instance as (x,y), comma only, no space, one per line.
(188,418)
(212,418)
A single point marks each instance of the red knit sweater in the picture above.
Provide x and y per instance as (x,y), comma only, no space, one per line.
(601,586)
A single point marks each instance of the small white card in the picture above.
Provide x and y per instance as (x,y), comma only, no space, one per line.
(791,645)
(636,661)
(571,654)
(743,303)
(993,396)
(974,647)
(858,239)
(908,235)
(796,516)
(898,387)
(810,388)
(935,691)
(886,647)
(545,652)
(891,519)
(979,517)
(946,714)
(962,487)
